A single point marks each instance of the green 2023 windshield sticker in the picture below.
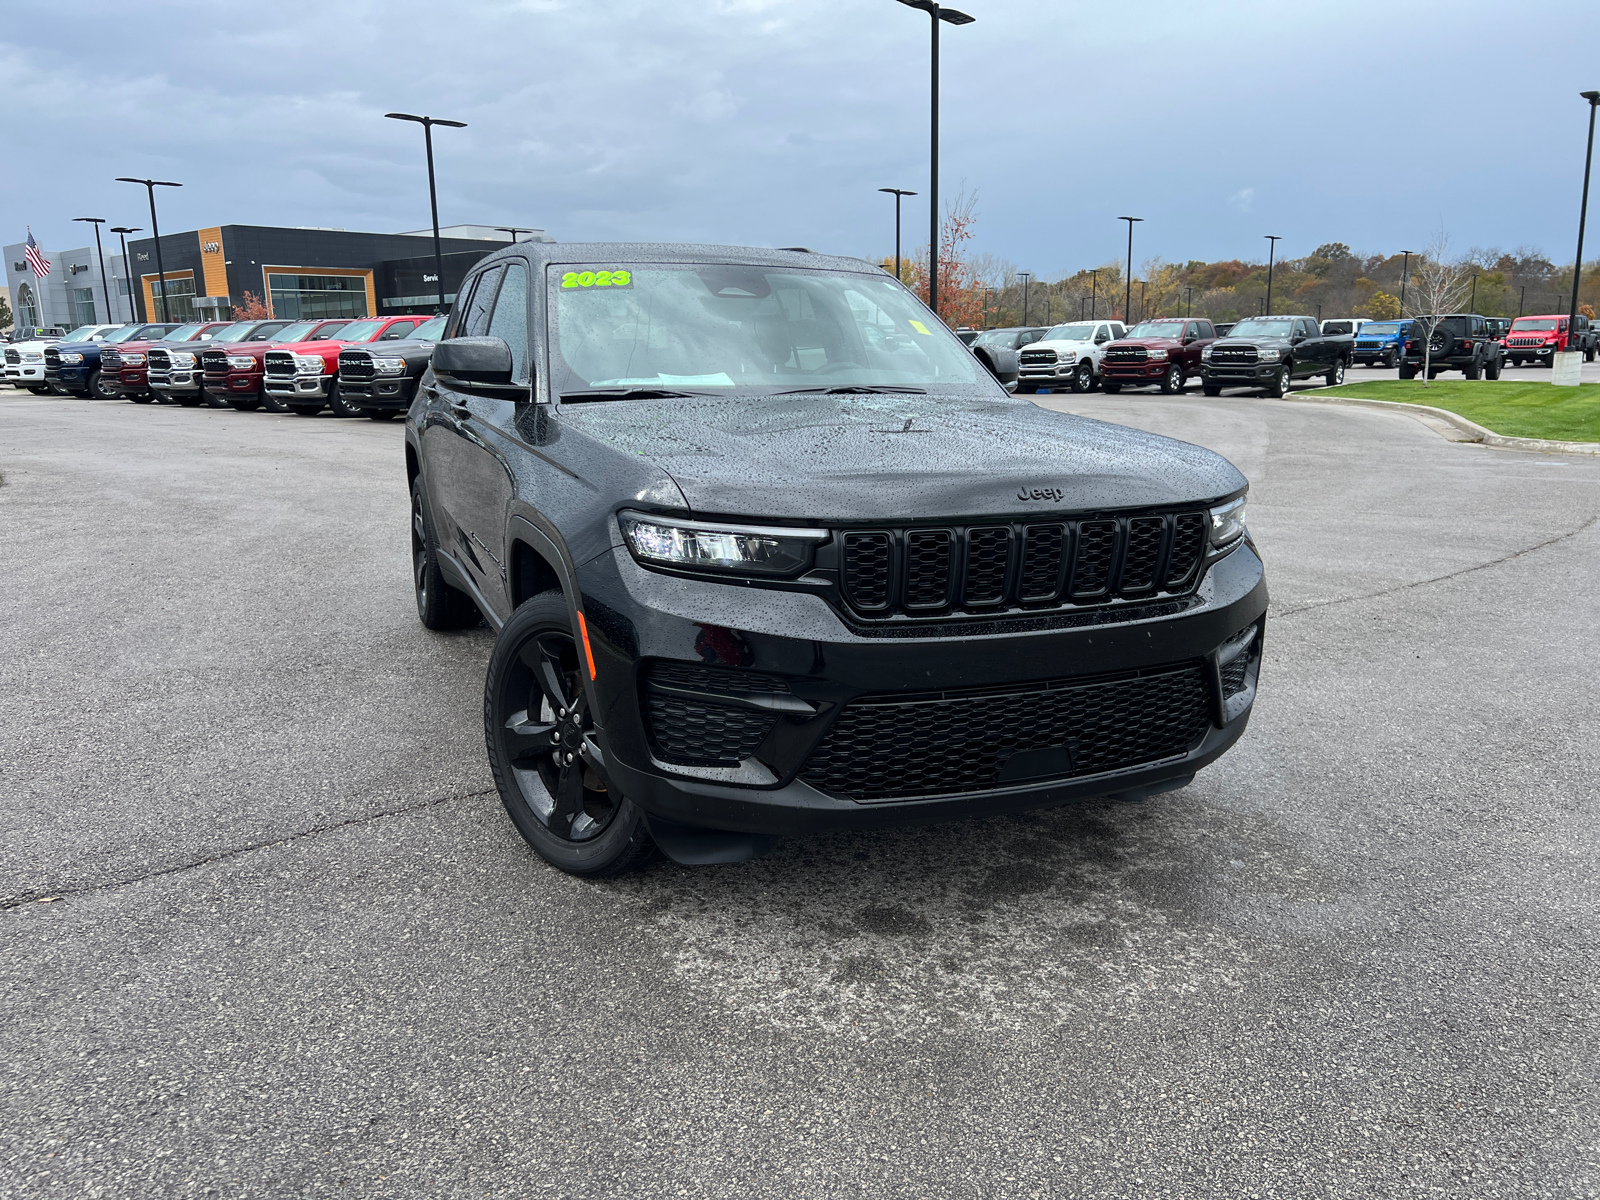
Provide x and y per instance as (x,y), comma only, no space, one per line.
(597,279)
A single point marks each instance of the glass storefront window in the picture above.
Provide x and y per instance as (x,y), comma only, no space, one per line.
(180,299)
(314,297)
(83,306)
(27,308)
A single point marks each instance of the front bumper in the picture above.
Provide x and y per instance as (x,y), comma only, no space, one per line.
(381,393)
(70,378)
(1145,372)
(636,615)
(176,383)
(1530,351)
(26,373)
(301,387)
(240,385)
(1237,374)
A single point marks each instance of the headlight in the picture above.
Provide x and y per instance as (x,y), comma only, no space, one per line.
(701,545)
(242,363)
(308,364)
(32,356)
(1068,356)
(70,357)
(389,366)
(1205,352)
(181,358)
(1227,523)
(133,360)
(1269,355)
(1158,355)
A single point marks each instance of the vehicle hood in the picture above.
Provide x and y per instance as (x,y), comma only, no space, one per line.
(1222,343)
(899,458)
(35,347)
(1151,343)
(407,350)
(1058,346)
(324,347)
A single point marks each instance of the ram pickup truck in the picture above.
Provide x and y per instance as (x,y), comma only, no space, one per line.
(381,379)
(1162,353)
(1271,353)
(234,375)
(1451,342)
(768,552)
(124,369)
(1539,339)
(1067,355)
(1380,343)
(25,361)
(305,377)
(182,379)
(74,369)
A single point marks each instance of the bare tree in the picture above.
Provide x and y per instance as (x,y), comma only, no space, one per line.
(1438,285)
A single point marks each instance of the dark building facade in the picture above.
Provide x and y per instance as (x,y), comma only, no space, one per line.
(299,273)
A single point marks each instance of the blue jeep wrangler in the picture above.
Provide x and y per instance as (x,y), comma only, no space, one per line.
(1380,343)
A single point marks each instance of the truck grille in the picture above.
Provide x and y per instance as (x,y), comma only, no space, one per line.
(697,731)
(985,568)
(110,360)
(1365,345)
(214,362)
(160,360)
(890,747)
(1038,358)
(14,358)
(1234,354)
(279,364)
(1128,354)
(355,365)
(1524,341)
(52,359)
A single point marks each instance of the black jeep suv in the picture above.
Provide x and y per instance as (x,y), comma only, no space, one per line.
(1452,342)
(768,552)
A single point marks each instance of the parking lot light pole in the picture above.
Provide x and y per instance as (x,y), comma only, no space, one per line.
(1405,274)
(150,186)
(1522,299)
(1094,290)
(1127,279)
(1026,279)
(937,13)
(1272,253)
(1472,304)
(122,232)
(898,194)
(1583,211)
(1188,301)
(105,288)
(427,124)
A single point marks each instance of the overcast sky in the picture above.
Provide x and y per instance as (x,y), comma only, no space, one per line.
(773,122)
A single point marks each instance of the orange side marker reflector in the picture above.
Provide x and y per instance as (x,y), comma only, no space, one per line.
(583,628)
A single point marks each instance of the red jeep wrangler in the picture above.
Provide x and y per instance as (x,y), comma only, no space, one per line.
(1162,353)
(1538,339)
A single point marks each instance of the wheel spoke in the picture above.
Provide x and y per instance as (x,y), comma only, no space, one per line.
(544,660)
(568,797)
(527,739)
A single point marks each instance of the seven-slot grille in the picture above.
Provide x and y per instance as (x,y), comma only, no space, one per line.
(1038,358)
(943,743)
(1128,354)
(355,365)
(1524,341)
(1366,345)
(279,364)
(1234,354)
(984,568)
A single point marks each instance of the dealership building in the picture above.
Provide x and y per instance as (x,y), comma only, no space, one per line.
(297,272)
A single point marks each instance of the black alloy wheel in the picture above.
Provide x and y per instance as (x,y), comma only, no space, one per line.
(340,406)
(1281,382)
(543,749)
(1336,373)
(99,388)
(1083,378)
(1172,381)
(439,605)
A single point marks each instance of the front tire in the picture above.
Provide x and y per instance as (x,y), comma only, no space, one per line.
(1172,381)
(272,404)
(1408,372)
(1281,382)
(39,389)
(1492,368)
(98,388)
(1211,389)
(1336,373)
(439,605)
(1083,378)
(547,764)
(340,406)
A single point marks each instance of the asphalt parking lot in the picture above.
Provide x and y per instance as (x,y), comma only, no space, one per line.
(296,949)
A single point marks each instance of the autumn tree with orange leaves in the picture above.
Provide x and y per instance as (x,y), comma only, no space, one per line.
(250,308)
(962,296)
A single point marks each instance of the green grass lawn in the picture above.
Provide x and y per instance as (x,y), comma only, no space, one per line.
(1516,409)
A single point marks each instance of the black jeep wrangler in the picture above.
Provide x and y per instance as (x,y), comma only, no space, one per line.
(1452,342)
(769,552)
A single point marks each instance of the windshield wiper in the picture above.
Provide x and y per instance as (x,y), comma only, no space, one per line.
(630,393)
(854,389)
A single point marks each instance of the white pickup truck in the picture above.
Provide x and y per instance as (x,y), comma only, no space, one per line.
(1067,356)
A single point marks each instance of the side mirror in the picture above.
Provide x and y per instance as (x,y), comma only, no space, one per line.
(483,360)
(1190,338)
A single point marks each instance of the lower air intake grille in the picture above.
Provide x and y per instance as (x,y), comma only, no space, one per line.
(688,732)
(885,748)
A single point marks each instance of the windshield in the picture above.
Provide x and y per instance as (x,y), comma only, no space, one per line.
(184,333)
(1263,328)
(360,331)
(235,333)
(429,330)
(1380,329)
(82,333)
(137,333)
(1156,329)
(297,332)
(1069,333)
(724,326)
(1533,324)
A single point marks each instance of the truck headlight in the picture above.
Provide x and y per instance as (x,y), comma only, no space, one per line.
(71,357)
(1269,355)
(1205,352)
(308,364)
(32,356)
(133,360)
(1227,523)
(1159,355)
(703,545)
(181,358)
(1067,356)
(389,366)
(242,363)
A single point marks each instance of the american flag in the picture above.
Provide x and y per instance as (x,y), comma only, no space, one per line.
(39,263)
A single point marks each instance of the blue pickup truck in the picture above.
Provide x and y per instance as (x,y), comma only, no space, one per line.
(74,369)
(1380,343)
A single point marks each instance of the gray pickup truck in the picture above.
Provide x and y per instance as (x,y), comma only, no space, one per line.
(1271,353)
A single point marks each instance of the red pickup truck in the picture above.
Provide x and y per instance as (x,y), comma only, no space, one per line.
(233,373)
(305,377)
(125,368)
(1162,353)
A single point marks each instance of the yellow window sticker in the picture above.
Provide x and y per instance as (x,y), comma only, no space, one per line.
(921,328)
(594,279)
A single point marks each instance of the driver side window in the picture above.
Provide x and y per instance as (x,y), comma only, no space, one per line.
(510,321)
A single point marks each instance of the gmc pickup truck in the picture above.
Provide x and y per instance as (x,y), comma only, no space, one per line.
(1271,353)
(1537,339)
(1163,353)
(1067,354)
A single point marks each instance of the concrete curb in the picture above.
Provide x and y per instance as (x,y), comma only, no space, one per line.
(1473,431)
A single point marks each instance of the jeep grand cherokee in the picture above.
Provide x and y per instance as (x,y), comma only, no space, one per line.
(768,552)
